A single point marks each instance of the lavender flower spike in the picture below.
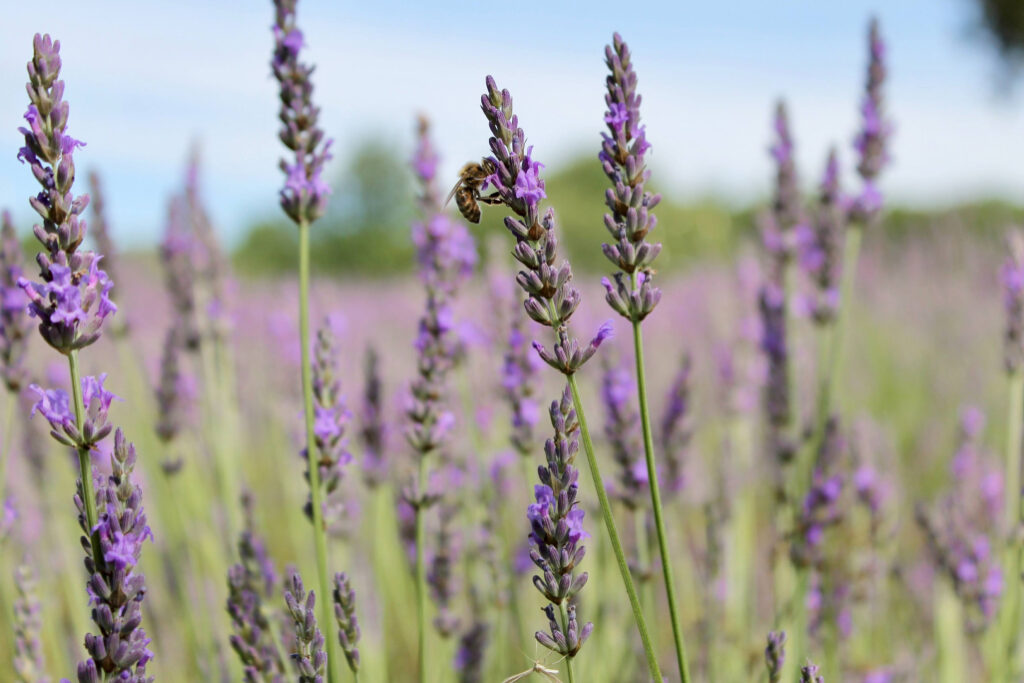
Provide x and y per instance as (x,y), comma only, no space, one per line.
(28,651)
(676,429)
(170,395)
(1012,276)
(621,430)
(72,301)
(631,219)
(518,379)
(250,584)
(872,140)
(103,240)
(309,656)
(775,655)
(551,298)
(56,407)
(305,192)
(13,319)
(331,420)
(116,589)
(373,430)
(809,674)
(819,246)
(556,524)
(348,625)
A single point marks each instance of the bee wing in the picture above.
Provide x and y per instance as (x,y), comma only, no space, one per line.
(452,193)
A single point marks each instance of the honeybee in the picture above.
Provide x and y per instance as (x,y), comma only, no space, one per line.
(467,190)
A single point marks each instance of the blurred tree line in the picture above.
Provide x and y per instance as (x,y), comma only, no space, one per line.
(1002,24)
(366,230)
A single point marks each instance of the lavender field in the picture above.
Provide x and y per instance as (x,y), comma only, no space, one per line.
(792,455)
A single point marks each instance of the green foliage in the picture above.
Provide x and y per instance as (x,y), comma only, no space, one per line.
(366,231)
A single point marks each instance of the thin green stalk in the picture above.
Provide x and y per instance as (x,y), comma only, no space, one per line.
(1013,514)
(319,532)
(613,533)
(421,577)
(851,254)
(659,522)
(565,629)
(84,461)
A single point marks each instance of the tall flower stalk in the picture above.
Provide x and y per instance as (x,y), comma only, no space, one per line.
(304,200)
(556,535)
(871,146)
(1013,356)
(551,299)
(72,300)
(446,256)
(14,331)
(634,295)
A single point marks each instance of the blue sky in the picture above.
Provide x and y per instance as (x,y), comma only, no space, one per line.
(145,79)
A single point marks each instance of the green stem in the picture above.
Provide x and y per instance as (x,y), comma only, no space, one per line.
(421,577)
(565,629)
(613,533)
(84,461)
(659,522)
(851,254)
(319,532)
(5,454)
(1013,513)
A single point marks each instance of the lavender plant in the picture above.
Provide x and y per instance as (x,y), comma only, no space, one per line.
(14,332)
(304,199)
(14,321)
(348,625)
(1013,359)
(556,535)
(104,244)
(28,651)
(446,257)
(775,655)
(332,418)
(871,146)
(676,429)
(250,586)
(518,379)
(551,299)
(779,236)
(72,300)
(119,651)
(309,657)
(373,430)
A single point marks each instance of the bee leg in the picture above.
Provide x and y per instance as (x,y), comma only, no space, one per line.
(490,199)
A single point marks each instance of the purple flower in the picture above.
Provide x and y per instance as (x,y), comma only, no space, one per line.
(529,187)
(551,298)
(348,625)
(775,655)
(631,215)
(13,319)
(871,143)
(309,657)
(304,195)
(373,430)
(250,583)
(330,421)
(55,406)
(1012,277)
(120,647)
(556,531)
(622,432)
